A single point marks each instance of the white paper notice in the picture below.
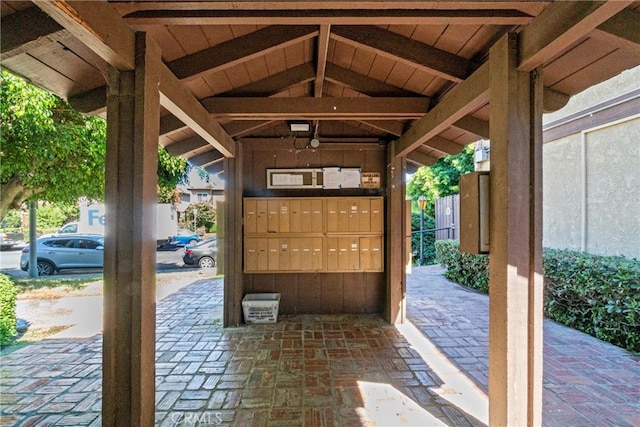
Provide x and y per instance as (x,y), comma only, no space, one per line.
(281,179)
(350,178)
(331,177)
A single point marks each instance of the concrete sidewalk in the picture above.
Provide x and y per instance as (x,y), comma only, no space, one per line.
(314,370)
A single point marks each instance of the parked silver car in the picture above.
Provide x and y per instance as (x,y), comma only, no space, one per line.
(66,252)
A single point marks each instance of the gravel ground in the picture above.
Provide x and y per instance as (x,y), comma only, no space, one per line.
(80,313)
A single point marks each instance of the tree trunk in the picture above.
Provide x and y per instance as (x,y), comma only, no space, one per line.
(14,192)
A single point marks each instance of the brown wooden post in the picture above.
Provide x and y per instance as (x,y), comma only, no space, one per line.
(133,110)
(395,310)
(234,277)
(515,309)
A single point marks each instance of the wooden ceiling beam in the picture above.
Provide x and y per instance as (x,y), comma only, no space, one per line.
(363,84)
(474,125)
(321,59)
(239,50)
(127,6)
(170,124)
(176,98)
(391,45)
(184,147)
(622,30)
(93,101)
(98,26)
(205,158)
(443,145)
(553,100)
(316,108)
(460,101)
(421,158)
(28,29)
(322,16)
(560,25)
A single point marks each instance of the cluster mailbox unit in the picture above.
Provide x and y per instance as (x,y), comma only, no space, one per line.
(313,234)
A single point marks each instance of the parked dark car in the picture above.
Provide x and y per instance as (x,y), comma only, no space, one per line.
(184,237)
(66,252)
(203,254)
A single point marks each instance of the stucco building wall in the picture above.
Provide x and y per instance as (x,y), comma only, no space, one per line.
(592,178)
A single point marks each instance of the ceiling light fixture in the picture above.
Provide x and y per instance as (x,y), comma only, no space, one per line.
(299,126)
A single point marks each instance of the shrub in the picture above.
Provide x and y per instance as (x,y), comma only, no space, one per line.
(599,295)
(467,269)
(8,294)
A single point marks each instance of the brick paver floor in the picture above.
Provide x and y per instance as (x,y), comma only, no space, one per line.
(317,370)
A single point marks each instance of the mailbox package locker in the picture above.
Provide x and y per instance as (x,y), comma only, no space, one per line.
(313,234)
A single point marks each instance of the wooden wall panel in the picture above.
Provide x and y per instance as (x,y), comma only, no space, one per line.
(310,294)
(355,292)
(333,293)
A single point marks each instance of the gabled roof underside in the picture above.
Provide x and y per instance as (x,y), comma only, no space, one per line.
(357,71)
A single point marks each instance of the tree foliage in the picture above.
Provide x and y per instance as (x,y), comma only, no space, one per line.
(441,179)
(50,152)
(172,171)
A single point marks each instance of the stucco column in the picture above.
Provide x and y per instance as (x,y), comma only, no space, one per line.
(128,387)
(395,254)
(515,303)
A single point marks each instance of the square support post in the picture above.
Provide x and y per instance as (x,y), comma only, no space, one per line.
(133,111)
(516,278)
(395,259)
(233,276)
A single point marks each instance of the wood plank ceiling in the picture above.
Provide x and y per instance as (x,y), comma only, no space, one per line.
(356,71)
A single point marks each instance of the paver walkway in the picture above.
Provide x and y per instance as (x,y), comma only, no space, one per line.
(324,370)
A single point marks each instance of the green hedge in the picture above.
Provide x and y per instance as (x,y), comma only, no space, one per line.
(466,269)
(8,294)
(599,295)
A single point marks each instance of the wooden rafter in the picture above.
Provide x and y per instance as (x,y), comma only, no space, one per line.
(559,26)
(316,108)
(241,128)
(276,83)
(184,147)
(215,167)
(389,126)
(240,49)
(444,145)
(622,29)
(205,158)
(473,125)
(97,25)
(391,45)
(27,30)
(463,99)
(421,158)
(363,84)
(93,101)
(182,104)
(170,123)
(321,59)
